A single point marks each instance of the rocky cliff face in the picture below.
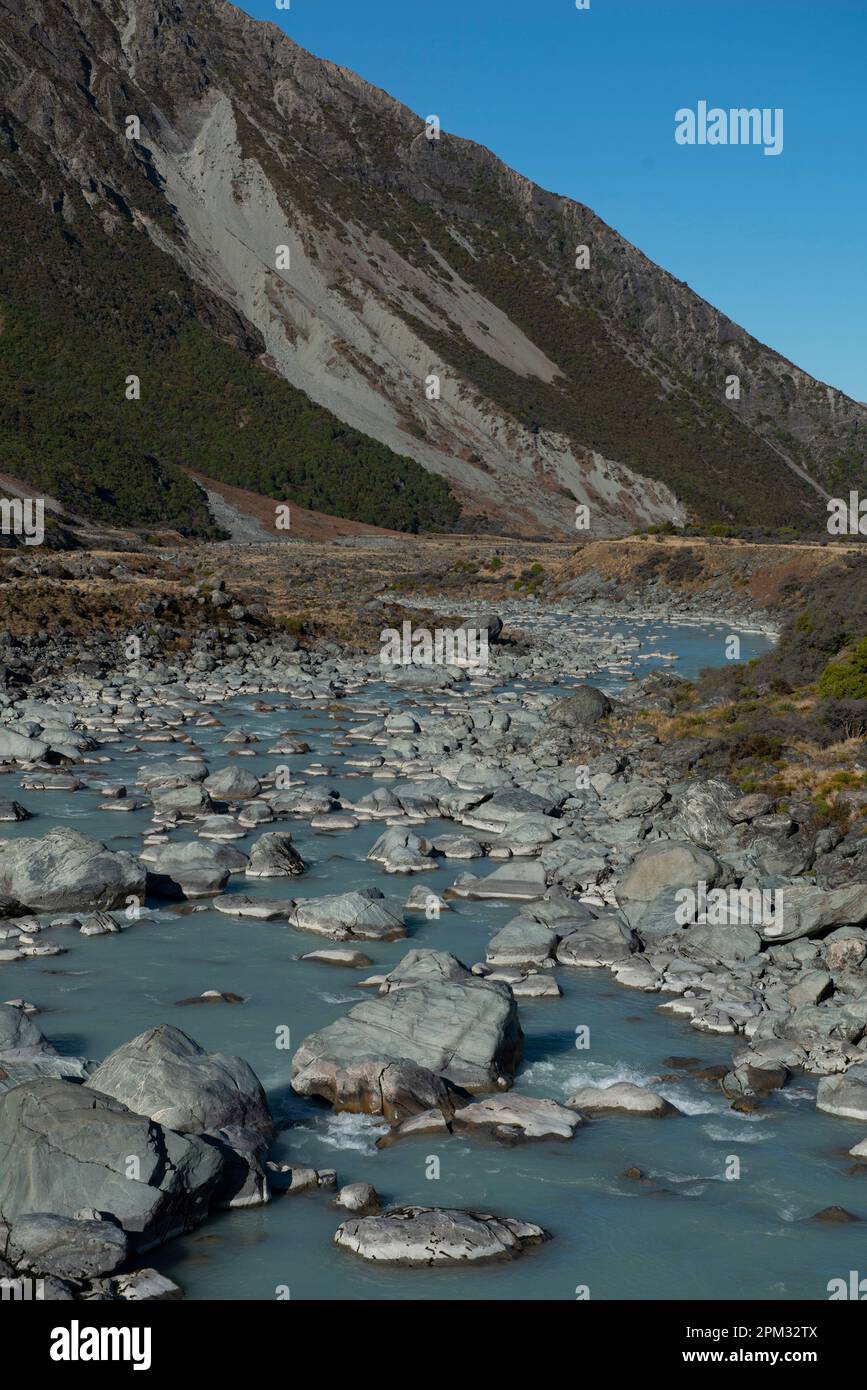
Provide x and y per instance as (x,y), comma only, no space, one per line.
(416,289)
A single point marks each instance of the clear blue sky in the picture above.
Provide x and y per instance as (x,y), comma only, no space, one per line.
(583,103)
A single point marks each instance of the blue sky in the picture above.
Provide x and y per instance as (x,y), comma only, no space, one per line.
(583,103)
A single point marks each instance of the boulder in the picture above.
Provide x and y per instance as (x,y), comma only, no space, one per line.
(232,784)
(845,1095)
(521,943)
(597,943)
(620,1098)
(65,870)
(167,1076)
(274,856)
(394,1088)
(26,1054)
(702,812)
(810,911)
(442,1018)
(521,880)
(489,623)
(19,748)
(585,706)
(528,1116)
(65,1146)
(196,869)
(431,1236)
(190,800)
(66,1248)
(746,808)
(667,864)
(358,1197)
(366,915)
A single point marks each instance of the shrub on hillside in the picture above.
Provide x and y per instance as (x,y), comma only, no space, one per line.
(847,718)
(846,679)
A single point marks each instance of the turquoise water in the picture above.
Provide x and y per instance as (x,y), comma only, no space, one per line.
(686,1232)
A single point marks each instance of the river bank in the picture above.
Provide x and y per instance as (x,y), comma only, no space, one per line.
(551,836)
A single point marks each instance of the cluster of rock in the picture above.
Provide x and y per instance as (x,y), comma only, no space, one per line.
(100,1163)
(596,865)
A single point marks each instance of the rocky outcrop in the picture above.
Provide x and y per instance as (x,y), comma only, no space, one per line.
(461,1028)
(65,1147)
(65,870)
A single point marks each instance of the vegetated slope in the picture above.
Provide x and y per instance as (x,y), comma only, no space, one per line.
(409,258)
(87,301)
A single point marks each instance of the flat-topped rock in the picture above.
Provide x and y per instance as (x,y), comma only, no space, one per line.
(531,1117)
(436,1236)
(522,880)
(65,1247)
(366,915)
(621,1098)
(521,943)
(258,909)
(339,955)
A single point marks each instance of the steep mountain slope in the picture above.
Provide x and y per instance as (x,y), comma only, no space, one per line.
(280,233)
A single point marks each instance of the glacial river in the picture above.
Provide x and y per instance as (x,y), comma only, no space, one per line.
(685,1232)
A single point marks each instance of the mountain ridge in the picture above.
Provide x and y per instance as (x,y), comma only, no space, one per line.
(410,258)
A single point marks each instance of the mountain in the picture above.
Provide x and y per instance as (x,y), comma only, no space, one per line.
(285,260)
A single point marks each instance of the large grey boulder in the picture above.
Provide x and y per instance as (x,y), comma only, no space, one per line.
(810,911)
(507,807)
(197,869)
(394,1088)
(490,623)
(597,943)
(274,856)
(727,943)
(232,784)
(586,706)
(436,1236)
(518,880)
(171,773)
(366,915)
(16,747)
(64,1147)
(845,1095)
(620,1098)
(65,870)
(26,1054)
(667,864)
(191,800)
(461,1027)
(703,812)
(167,1076)
(521,943)
(46,1244)
(401,852)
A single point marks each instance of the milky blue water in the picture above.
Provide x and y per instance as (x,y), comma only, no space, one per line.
(685,1232)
